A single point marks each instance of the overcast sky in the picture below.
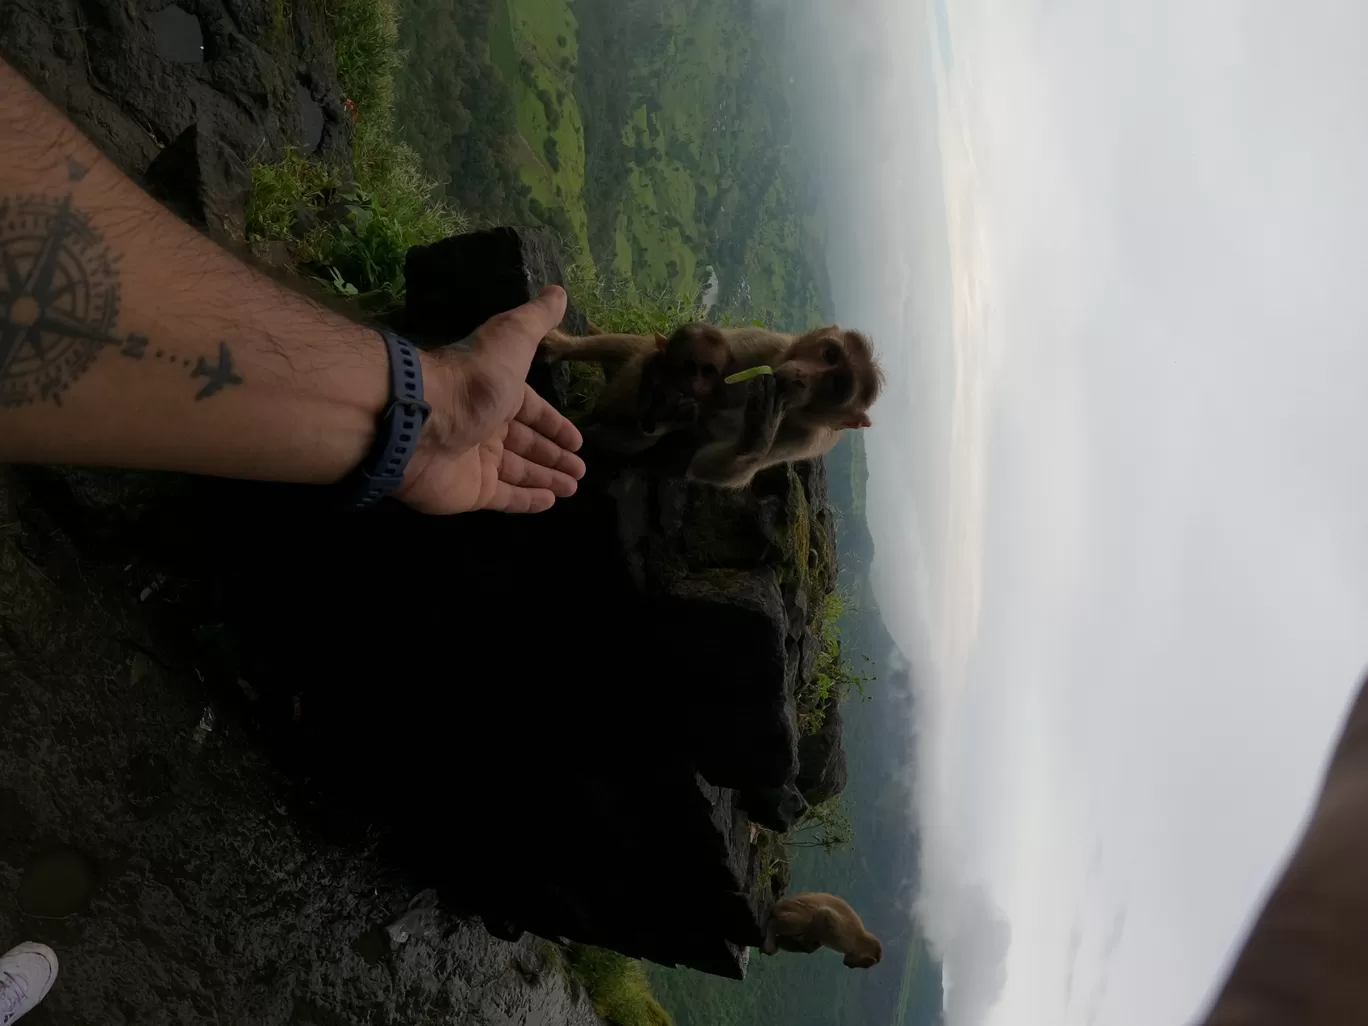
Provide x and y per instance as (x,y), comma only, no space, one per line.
(1114,254)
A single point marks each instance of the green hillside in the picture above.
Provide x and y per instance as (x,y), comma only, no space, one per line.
(688,154)
(653,136)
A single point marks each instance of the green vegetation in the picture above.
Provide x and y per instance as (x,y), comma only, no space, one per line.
(616,304)
(536,49)
(457,107)
(350,228)
(826,827)
(653,138)
(833,677)
(687,159)
(618,986)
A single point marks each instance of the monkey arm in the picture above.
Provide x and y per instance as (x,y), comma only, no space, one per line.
(718,463)
(619,348)
(802,442)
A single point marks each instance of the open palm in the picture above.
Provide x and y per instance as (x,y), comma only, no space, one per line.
(491,441)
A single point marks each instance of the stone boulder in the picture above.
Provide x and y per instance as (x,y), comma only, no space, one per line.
(822,769)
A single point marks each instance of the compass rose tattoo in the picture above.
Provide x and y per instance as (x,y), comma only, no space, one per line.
(59,306)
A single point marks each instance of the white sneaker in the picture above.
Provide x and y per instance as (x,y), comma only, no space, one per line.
(26,975)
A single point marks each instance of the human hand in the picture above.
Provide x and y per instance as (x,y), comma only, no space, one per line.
(491,441)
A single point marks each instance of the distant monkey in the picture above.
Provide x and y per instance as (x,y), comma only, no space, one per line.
(806,922)
(824,382)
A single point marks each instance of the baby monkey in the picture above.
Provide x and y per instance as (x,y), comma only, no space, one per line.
(667,389)
(683,377)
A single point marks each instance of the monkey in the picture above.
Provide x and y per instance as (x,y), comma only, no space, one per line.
(657,391)
(681,378)
(824,382)
(806,922)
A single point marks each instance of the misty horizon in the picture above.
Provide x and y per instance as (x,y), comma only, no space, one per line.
(1105,254)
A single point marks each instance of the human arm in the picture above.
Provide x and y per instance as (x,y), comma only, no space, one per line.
(128,339)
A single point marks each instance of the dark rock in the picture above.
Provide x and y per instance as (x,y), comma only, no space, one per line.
(777,808)
(311,120)
(456,285)
(178,34)
(203,182)
(99,61)
(742,722)
(797,602)
(57,884)
(823,772)
(228,905)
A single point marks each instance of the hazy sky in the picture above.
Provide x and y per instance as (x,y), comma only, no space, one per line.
(1114,255)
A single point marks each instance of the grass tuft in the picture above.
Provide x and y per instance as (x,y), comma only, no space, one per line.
(615,304)
(618,986)
(833,677)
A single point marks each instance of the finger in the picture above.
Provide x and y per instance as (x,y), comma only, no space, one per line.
(516,334)
(544,419)
(511,499)
(523,473)
(537,448)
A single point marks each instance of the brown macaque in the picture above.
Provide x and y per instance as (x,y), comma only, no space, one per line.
(823,382)
(679,382)
(650,391)
(806,922)
(1306,958)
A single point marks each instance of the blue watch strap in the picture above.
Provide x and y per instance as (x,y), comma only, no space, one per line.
(396,433)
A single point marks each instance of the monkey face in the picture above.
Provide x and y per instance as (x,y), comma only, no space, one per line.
(819,373)
(696,378)
(695,359)
(831,375)
(867,955)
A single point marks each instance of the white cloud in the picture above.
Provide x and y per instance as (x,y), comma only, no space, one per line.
(1118,472)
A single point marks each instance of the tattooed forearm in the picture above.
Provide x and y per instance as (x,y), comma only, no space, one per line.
(126,336)
(59,304)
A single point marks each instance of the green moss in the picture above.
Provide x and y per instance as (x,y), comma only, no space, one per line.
(618,986)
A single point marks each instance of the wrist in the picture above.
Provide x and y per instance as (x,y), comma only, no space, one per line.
(437,388)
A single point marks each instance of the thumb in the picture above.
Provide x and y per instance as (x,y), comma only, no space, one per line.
(516,334)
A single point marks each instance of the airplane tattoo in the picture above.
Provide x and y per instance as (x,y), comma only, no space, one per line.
(220,377)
